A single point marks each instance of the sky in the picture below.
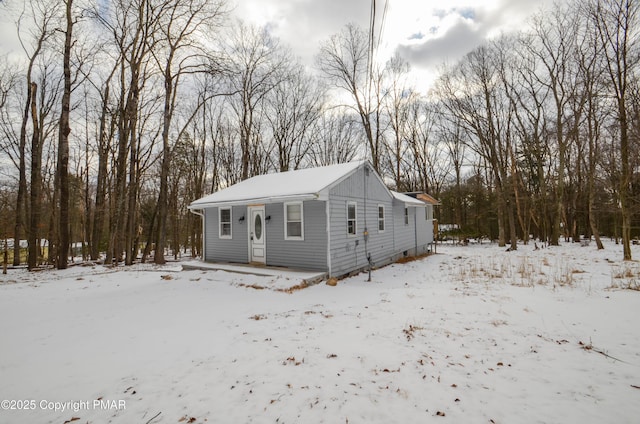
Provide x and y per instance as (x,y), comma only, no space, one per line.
(426,33)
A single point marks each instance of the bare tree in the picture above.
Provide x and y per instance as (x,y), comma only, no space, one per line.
(129,24)
(554,48)
(590,71)
(335,138)
(104,138)
(33,37)
(451,136)
(177,54)
(8,79)
(345,60)
(473,94)
(36,184)
(255,67)
(398,108)
(617,26)
(63,142)
(293,107)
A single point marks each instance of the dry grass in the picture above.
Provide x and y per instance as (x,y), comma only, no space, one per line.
(522,271)
(252,286)
(626,276)
(406,259)
(297,287)
(410,331)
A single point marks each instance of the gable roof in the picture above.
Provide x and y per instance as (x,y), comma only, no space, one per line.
(302,184)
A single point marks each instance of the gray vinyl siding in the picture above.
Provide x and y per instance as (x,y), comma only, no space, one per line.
(349,252)
(424,231)
(414,238)
(310,253)
(404,234)
(226,250)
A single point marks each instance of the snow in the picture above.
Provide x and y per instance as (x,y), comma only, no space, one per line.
(471,334)
(298,184)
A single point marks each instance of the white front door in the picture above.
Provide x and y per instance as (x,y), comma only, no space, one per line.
(257,246)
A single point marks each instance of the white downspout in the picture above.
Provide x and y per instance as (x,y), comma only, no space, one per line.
(201,215)
(328,212)
(415,230)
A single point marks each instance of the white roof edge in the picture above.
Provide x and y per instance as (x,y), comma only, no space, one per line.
(272,199)
(408,200)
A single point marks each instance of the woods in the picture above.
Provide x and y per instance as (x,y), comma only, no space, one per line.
(114,116)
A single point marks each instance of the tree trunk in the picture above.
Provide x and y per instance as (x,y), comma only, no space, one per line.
(625,181)
(101,183)
(163,203)
(36,183)
(22,183)
(63,146)
(132,200)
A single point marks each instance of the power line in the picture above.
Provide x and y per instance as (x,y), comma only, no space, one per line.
(382,23)
(374,44)
(372,25)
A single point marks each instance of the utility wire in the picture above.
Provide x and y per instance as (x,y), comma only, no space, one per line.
(372,28)
(382,23)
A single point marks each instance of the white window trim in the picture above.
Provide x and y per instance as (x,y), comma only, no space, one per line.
(355,221)
(406,215)
(384,217)
(230,236)
(287,236)
(428,213)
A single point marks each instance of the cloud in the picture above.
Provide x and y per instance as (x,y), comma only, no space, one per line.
(424,33)
(457,31)
(304,24)
(461,29)
(454,43)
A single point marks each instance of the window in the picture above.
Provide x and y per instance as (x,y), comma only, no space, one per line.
(294,224)
(351,218)
(224,217)
(428,213)
(380,218)
(406,216)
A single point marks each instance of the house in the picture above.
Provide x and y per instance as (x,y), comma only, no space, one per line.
(332,218)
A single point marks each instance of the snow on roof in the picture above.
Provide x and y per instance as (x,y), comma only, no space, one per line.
(407,200)
(302,184)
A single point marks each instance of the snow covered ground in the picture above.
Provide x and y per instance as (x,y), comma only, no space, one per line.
(471,335)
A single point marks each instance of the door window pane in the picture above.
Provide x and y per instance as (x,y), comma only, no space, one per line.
(258,226)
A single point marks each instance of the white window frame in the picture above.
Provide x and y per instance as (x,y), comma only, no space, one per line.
(286,221)
(428,213)
(406,215)
(355,220)
(381,220)
(230,235)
